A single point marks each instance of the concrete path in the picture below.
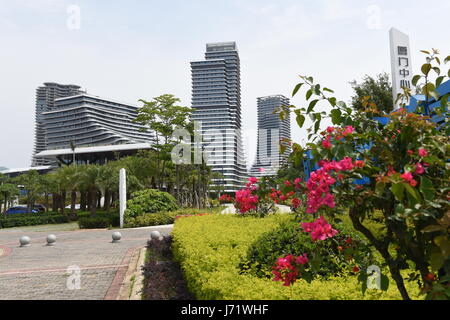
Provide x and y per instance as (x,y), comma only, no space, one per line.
(41,272)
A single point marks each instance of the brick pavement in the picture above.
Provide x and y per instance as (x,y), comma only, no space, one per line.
(40,272)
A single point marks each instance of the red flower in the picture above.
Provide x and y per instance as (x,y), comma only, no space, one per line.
(348,130)
(419,169)
(410,152)
(287,183)
(326,143)
(359,163)
(330,129)
(423,153)
(430,277)
(355,269)
(296,203)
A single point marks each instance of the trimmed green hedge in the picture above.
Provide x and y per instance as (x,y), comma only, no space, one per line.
(160,218)
(101,220)
(210,248)
(19,220)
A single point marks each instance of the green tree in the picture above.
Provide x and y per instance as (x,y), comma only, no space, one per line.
(8,191)
(162,116)
(379,90)
(31,183)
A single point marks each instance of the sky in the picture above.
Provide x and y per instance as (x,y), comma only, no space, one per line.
(134,49)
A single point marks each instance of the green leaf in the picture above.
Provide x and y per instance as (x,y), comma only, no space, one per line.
(312,105)
(332,101)
(425,51)
(426,68)
(416,79)
(436,261)
(413,192)
(438,60)
(309,94)
(437,70)
(429,87)
(336,116)
(433,228)
(328,90)
(297,88)
(317,89)
(444,244)
(300,118)
(379,188)
(426,187)
(439,81)
(447,59)
(398,190)
(317,126)
(384,282)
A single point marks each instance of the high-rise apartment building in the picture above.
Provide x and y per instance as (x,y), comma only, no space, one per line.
(216,100)
(271,132)
(45,101)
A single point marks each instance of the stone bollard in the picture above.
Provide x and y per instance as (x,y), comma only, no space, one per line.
(51,239)
(24,241)
(155,235)
(116,237)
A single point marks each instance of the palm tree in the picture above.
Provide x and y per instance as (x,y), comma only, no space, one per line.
(89,177)
(69,181)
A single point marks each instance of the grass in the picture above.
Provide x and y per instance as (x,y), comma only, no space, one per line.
(71,226)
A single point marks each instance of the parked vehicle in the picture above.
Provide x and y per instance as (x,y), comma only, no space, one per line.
(19,210)
(40,208)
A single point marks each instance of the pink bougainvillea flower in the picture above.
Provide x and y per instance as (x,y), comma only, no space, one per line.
(423,153)
(419,169)
(326,143)
(319,229)
(303,259)
(330,129)
(253,180)
(262,170)
(410,152)
(348,130)
(287,183)
(359,163)
(296,203)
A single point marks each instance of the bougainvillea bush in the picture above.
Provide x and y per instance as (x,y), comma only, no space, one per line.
(400,170)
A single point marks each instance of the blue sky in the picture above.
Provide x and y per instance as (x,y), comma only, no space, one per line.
(127,50)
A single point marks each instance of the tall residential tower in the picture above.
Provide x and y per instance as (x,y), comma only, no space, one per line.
(216,100)
(271,131)
(45,101)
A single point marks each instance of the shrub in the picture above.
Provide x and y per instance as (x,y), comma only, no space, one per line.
(210,248)
(150,201)
(99,221)
(160,218)
(31,220)
(339,257)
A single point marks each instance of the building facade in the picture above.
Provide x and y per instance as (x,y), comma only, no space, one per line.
(271,132)
(216,100)
(45,101)
(86,121)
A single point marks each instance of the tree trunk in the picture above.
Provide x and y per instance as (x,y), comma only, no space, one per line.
(83,201)
(73,202)
(55,202)
(93,202)
(63,202)
(107,200)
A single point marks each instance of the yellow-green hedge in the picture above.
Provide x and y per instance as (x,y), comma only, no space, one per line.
(209,249)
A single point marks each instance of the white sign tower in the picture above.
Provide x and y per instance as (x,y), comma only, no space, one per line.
(122,194)
(400,62)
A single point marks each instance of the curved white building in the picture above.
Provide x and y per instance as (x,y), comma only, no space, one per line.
(88,121)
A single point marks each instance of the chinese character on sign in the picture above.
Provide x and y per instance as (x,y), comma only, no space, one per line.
(404,73)
(404,60)
(405,84)
(402,51)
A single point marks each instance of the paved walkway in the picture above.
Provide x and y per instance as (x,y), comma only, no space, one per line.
(41,272)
